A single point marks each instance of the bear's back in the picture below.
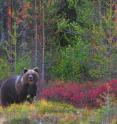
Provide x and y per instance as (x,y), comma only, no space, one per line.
(9,84)
(9,93)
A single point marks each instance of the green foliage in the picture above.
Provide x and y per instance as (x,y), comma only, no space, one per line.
(72,3)
(20,121)
(72,62)
(4,69)
(85,46)
(74,46)
(23,62)
(99,64)
(62,24)
(85,12)
(79,37)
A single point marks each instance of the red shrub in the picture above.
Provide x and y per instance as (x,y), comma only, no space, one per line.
(79,95)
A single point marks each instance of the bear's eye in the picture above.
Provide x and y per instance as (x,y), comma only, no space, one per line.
(34,76)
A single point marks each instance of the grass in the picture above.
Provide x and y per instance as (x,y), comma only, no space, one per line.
(56,113)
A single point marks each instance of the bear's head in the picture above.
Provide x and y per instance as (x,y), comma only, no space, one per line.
(30,76)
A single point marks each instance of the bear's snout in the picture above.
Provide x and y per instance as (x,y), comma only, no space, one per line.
(30,78)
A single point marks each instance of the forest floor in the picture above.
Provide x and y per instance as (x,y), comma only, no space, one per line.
(2,120)
(58,112)
(46,112)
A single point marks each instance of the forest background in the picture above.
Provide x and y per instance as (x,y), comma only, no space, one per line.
(67,39)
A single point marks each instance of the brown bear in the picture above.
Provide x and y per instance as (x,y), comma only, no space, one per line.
(17,88)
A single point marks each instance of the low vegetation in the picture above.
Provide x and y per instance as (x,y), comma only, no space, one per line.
(81,95)
(56,113)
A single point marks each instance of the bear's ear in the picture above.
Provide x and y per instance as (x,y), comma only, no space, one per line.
(36,69)
(25,70)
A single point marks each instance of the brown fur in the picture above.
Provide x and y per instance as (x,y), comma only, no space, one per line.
(17,88)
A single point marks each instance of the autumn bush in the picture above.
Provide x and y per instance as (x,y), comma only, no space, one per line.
(80,95)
